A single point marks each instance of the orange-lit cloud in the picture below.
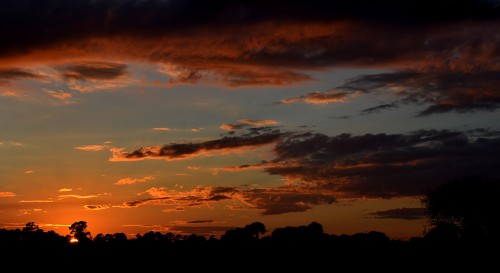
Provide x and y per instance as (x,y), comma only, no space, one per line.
(60,95)
(452,60)
(268,200)
(64,190)
(129,181)
(7,194)
(96,207)
(29,211)
(374,165)
(90,148)
(319,98)
(36,201)
(242,123)
(161,129)
(177,151)
(439,91)
(29,172)
(78,196)
(9,74)
(11,93)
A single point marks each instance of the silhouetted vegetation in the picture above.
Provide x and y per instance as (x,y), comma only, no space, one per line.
(465,208)
(463,213)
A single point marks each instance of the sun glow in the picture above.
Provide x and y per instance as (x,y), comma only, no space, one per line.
(73,240)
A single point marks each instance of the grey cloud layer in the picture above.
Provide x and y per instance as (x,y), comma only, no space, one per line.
(322,169)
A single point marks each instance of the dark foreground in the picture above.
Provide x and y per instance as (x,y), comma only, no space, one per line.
(262,255)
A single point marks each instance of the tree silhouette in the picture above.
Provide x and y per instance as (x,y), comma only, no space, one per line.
(255,228)
(79,231)
(467,206)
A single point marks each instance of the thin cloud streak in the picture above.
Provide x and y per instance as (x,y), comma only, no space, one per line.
(130,181)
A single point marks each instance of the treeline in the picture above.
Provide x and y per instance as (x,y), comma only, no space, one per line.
(253,246)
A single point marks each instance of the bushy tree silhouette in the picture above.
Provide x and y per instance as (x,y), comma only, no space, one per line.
(465,207)
(79,231)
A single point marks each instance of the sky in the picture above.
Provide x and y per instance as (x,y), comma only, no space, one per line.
(200,116)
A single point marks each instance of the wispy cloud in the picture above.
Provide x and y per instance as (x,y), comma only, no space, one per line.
(401,213)
(268,200)
(242,123)
(37,201)
(332,96)
(9,74)
(91,148)
(283,42)
(96,207)
(161,129)
(64,190)
(200,221)
(7,194)
(78,196)
(178,151)
(129,181)
(60,95)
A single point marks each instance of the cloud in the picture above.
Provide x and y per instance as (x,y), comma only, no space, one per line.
(242,123)
(179,151)
(378,165)
(64,190)
(92,76)
(161,129)
(321,169)
(200,221)
(60,95)
(96,207)
(452,90)
(9,74)
(400,213)
(7,194)
(129,181)
(194,168)
(36,201)
(29,172)
(333,96)
(91,148)
(283,41)
(269,201)
(255,122)
(29,211)
(93,71)
(78,196)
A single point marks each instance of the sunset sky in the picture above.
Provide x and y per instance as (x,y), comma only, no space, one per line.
(198,116)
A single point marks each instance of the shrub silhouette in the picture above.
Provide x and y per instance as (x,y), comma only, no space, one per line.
(465,208)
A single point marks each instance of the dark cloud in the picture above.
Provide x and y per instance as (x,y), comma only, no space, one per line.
(401,213)
(243,123)
(93,71)
(318,98)
(321,169)
(379,165)
(9,74)
(200,221)
(379,108)
(281,41)
(255,137)
(438,91)
(269,201)
(285,199)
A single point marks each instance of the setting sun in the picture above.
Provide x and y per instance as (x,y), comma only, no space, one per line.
(73,240)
